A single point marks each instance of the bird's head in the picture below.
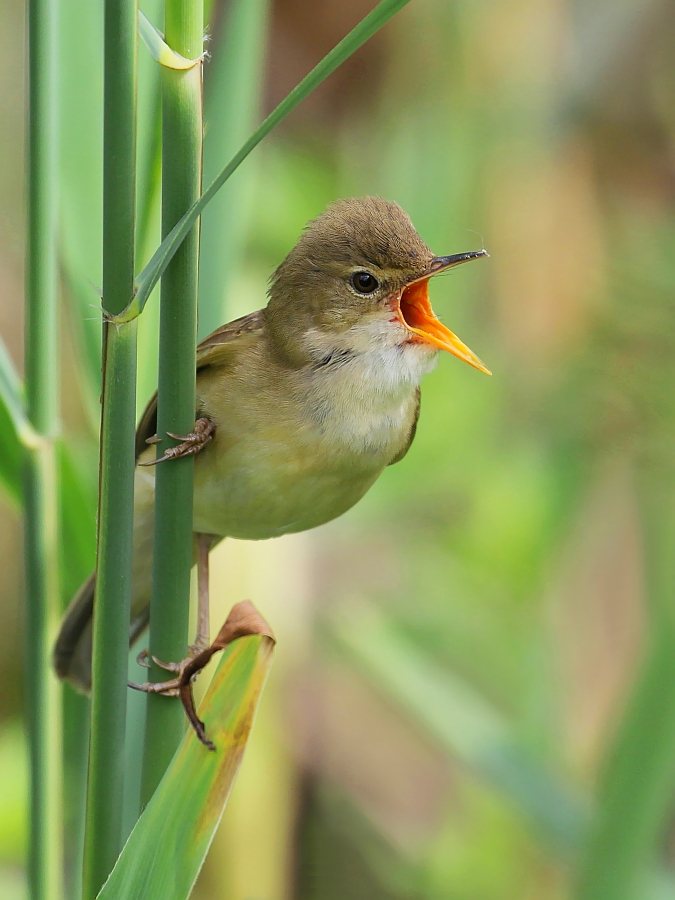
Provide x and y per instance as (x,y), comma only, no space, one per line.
(357,280)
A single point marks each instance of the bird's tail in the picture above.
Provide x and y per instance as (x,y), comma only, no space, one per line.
(73,647)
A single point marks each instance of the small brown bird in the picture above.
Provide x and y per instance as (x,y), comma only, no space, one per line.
(301,405)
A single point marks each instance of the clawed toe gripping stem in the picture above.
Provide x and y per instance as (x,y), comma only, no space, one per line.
(191,444)
(243,620)
(169,688)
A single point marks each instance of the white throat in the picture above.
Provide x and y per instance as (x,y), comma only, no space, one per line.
(364,383)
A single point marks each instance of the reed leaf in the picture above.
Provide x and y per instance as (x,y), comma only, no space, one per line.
(11,395)
(11,454)
(159,49)
(16,431)
(166,849)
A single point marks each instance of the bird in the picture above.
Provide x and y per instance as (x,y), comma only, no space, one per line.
(301,405)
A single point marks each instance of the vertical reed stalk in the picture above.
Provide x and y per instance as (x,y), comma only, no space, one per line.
(172,558)
(232,90)
(43,696)
(103,831)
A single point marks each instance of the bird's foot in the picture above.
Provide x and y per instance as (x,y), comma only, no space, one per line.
(171,687)
(190,445)
(186,671)
(243,620)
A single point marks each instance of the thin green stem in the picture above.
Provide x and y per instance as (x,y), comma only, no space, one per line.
(77,558)
(103,831)
(172,556)
(232,88)
(43,695)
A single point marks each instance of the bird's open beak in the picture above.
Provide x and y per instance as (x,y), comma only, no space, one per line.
(416,314)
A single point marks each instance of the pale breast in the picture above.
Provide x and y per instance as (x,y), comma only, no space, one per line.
(361,404)
(307,448)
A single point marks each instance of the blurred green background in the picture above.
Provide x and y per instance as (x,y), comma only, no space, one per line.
(474,690)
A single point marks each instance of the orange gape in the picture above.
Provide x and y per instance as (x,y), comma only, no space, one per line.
(416,314)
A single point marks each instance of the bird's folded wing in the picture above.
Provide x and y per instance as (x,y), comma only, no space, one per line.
(209,347)
(213,349)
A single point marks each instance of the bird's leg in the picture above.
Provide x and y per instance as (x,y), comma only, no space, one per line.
(202,639)
(191,444)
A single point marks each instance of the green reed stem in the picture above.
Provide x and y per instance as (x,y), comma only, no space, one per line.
(103,830)
(43,695)
(172,557)
(232,88)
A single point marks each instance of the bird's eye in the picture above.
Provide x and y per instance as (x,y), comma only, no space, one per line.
(364,282)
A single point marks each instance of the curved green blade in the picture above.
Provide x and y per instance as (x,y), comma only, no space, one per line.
(166,849)
(11,394)
(154,270)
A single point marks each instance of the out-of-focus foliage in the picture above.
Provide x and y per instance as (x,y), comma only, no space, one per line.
(507,548)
